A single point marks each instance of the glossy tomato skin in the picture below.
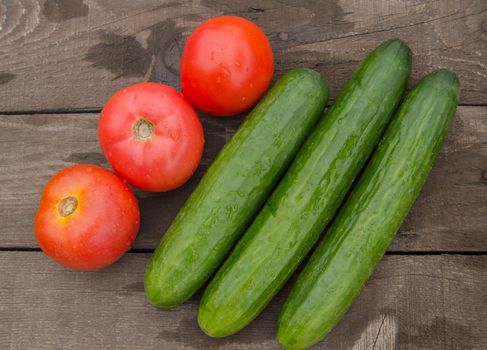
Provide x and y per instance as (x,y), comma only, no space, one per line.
(226,66)
(170,151)
(87,217)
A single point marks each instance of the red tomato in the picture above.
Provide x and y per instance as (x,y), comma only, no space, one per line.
(151,136)
(227,65)
(87,217)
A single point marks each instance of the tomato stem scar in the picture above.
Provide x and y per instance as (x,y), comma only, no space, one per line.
(143,129)
(67,206)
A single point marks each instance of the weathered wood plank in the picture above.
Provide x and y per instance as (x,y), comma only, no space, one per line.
(74,54)
(411,302)
(450,214)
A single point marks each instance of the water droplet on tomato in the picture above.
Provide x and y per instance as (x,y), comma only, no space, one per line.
(218,79)
(225,71)
(110,153)
(237,64)
(244,98)
(98,179)
(251,85)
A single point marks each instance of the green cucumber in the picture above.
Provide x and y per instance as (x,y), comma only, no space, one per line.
(369,219)
(306,199)
(234,188)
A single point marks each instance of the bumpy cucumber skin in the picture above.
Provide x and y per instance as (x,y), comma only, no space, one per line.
(234,188)
(368,221)
(309,194)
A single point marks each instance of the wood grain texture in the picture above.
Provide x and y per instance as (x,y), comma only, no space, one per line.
(420,302)
(74,54)
(450,214)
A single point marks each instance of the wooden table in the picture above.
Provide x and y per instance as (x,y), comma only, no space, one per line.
(61,60)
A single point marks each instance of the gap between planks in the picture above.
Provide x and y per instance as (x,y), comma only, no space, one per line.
(391,252)
(98,110)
